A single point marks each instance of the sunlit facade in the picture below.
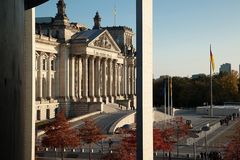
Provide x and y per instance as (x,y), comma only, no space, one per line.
(80,69)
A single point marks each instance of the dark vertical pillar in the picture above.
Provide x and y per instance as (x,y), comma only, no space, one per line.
(11,51)
(144,81)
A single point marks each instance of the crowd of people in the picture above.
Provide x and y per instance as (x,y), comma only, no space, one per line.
(228,118)
(213,155)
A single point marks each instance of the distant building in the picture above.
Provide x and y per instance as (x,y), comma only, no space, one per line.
(164,77)
(225,68)
(196,76)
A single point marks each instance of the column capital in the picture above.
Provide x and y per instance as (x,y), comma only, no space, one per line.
(85,56)
(52,55)
(91,57)
(109,59)
(71,56)
(104,59)
(98,58)
(37,54)
(43,54)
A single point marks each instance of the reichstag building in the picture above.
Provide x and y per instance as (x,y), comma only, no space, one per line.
(80,69)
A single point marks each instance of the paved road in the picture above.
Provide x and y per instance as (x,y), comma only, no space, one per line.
(198,122)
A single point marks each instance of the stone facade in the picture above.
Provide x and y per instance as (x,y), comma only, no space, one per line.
(80,69)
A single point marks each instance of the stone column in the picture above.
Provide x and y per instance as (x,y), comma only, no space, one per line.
(144,80)
(49,78)
(110,80)
(114,79)
(79,78)
(128,80)
(72,78)
(125,77)
(104,80)
(85,79)
(97,79)
(132,88)
(122,80)
(118,80)
(40,92)
(135,79)
(91,79)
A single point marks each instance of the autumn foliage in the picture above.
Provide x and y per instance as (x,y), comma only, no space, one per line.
(173,131)
(163,139)
(126,149)
(232,150)
(60,135)
(181,129)
(89,133)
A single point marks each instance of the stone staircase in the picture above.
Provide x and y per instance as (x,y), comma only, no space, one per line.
(112,107)
(159,116)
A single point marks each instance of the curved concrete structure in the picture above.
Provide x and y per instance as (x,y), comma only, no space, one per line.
(128,119)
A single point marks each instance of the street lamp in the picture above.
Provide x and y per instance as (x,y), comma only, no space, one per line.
(206,128)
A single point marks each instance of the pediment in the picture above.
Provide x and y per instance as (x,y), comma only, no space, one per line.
(105,41)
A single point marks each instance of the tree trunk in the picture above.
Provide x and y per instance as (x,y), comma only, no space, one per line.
(62,150)
(163,155)
(89,148)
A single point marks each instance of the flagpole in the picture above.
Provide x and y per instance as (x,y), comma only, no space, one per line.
(168,98)
(171,108)
(165,99)
(211,96)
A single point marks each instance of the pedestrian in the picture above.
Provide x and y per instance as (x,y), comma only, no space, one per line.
(169,156)
(201,155)
(110,142)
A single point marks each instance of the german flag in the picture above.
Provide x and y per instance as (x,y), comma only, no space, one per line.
(212,60)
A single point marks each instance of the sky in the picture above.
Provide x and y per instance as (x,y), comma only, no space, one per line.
(182,30)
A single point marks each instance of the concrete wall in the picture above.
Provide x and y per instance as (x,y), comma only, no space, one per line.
(129,119)
(82,108)
(224,111)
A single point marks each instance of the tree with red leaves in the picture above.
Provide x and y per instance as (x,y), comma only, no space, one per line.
(181,129)
(126,149)
(232,150)
(60,135)
(90,133)
(163,139)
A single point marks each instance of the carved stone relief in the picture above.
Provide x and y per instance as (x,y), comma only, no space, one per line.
(103,41)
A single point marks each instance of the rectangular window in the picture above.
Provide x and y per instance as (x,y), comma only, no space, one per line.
(52,65)
(38,115)
(48,114)
(44,64)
